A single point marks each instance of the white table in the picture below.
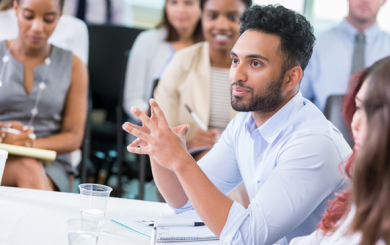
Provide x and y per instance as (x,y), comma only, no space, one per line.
(39,217)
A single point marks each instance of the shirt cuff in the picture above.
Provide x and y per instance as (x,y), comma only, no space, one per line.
(237,215)
(187,207)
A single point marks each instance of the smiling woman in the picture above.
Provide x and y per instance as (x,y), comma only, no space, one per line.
(199,75)
(43,90)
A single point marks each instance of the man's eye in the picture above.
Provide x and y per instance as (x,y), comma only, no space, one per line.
(234,61)
(256,64)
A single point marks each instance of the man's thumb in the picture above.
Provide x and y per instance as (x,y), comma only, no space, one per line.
(183,131)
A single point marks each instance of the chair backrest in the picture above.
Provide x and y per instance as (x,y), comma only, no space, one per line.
(106,48)
(334,113)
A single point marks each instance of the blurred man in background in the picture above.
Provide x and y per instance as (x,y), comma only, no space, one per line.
(344,50)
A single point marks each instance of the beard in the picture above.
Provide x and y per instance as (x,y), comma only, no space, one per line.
(266,101)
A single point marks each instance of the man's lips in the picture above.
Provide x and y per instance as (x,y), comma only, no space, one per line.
(239,91)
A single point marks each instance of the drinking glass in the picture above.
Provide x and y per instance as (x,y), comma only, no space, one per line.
(93,202)
(82,231)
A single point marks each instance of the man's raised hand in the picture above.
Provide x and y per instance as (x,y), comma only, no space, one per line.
(156,139)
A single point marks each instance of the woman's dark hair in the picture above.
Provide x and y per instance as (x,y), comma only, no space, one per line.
(173,35)
(247,3)
(371,182)
(9,3)
(295,32)
(337,207)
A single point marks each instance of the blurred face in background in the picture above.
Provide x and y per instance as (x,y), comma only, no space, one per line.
(220,23)
(364,11)
(183,14)
(359,120)
(37,20)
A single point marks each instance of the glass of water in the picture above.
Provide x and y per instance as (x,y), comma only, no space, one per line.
(93,202)
(82,231)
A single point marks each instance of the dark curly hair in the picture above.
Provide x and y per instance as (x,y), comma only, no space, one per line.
(247,3)
(295,32)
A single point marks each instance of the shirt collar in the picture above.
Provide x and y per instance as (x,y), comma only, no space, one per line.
(370,32)
(274,126)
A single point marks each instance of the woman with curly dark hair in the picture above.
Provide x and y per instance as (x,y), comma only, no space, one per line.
(361,215)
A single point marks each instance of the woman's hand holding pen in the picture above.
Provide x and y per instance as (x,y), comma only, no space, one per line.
(157,139)
(22,139)
(203,138)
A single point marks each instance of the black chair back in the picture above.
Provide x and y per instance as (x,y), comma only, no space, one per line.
(106,48)
(334,113)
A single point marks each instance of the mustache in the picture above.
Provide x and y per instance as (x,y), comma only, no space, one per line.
(240,85)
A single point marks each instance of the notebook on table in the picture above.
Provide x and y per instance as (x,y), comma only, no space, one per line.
(45,155)
(169,234)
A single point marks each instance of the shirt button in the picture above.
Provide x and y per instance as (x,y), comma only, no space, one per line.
(259,159)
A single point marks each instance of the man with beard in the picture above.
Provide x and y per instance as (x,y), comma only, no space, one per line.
(279,144)
(355,44)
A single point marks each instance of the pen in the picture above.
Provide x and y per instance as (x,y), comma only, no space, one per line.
(181,223)
(153,238)
(197,119)
(15,131)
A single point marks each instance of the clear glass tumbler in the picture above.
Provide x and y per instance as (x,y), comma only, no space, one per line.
(82,231)
(93,202)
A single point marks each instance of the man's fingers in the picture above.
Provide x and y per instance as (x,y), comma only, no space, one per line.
(144,118)
(137,132)
(139,142)
(159,114)
(183,131)
(138,150)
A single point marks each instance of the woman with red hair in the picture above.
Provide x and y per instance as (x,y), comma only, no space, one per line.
(361,215)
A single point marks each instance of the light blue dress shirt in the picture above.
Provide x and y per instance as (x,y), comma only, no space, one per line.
(329,69)
(290,168)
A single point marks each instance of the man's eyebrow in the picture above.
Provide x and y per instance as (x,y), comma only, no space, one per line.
(257,56)
(357,98)
(251,56)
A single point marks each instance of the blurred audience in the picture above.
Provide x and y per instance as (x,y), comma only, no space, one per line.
(43,90)
(70,33)
(153,50)
(361,215)
(100,11)
(198,76)
(353,45)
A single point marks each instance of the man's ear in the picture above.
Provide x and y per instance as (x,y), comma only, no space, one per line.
(293,77)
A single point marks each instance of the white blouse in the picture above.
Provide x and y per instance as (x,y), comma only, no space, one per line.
(339,237)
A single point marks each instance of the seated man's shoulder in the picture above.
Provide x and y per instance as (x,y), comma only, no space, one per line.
(329,38)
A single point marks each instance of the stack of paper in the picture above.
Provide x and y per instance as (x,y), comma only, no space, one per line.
(169,234)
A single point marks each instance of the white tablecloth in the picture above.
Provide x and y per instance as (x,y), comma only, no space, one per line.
(39,217)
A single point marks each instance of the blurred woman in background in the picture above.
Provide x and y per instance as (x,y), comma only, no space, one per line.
(198,76)
(362,215)
(153,49)
(43,90)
